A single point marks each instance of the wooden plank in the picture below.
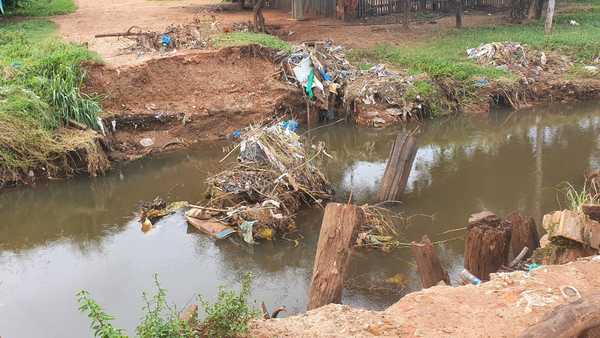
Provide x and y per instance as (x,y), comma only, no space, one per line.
(339,229)
(399,165)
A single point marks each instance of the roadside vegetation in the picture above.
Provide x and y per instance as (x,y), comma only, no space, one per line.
(39,94)
(37,7)
(228,316)
(444,55)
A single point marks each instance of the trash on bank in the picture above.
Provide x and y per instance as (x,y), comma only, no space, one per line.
(210,226)
(159,208)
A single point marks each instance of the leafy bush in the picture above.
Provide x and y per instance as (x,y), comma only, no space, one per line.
(160,319)
(229,316)
(99,320)
(36,7)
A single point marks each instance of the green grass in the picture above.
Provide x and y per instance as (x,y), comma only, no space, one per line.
(41,8)
(247,38)
(39,92)
(445,55)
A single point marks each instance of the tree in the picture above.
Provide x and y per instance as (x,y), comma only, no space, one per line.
(549,17)
(259,19)
(460,13)
(406,12)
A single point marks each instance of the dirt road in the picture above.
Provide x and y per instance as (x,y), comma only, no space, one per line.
(95,17)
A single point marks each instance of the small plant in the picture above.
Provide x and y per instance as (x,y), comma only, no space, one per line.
(230,314)
(160,319)
(100,321)
(576,198)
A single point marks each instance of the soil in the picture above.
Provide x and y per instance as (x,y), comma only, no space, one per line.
(188,98)
(498,308)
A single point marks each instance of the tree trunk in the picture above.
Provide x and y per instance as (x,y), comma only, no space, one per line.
(568,320)
(397,170)
(460,13)
(532,9)
(549,17)
(523,234)
(539,9)
(259,19)
(487,244)
(428,264)
(338,233)
(405,13)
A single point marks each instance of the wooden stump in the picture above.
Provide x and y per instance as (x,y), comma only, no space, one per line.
(486,245)
(338,233)
(592,210)
(428,264)
(523,234)
(402,156)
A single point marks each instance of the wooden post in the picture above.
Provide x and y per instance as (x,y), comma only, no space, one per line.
(487,244)
(549,17)
(523,234)
(460,13)
(298,10)
(428,264)
(338,233)
(395,177)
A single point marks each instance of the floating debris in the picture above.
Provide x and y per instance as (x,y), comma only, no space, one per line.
(274,176)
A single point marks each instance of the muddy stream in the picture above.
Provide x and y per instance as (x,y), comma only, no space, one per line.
(60,237)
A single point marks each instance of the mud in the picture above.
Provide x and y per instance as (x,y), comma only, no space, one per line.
(185,99)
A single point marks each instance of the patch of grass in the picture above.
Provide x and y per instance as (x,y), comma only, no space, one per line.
(39,92)
(577,198)
(445,55)
(248,38)
(40,7)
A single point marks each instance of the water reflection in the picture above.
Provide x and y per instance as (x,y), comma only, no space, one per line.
(60,237)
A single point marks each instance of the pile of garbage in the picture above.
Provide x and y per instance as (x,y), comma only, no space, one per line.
(519,59)
(321,69)
(375,96)
(195,35)
(499,54)
(380,97)
(274,176)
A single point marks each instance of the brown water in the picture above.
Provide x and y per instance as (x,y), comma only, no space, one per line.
(58,238)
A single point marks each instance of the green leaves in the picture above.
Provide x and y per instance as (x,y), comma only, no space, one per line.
(99,320)
(230,314)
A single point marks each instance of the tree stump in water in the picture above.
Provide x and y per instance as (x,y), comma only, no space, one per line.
(428,264)
(402,156)
(338,233)
(487,244)
(523,234)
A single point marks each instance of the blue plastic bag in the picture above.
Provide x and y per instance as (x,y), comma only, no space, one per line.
(165,40)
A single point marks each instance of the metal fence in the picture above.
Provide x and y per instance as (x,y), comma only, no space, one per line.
(367,8)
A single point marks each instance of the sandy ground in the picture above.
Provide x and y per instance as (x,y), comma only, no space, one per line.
(96,17)
(503,307)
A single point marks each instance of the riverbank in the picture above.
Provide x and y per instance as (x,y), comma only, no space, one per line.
(506,306)
(165,101)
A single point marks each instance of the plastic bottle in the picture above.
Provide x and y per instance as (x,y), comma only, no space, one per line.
(469,277)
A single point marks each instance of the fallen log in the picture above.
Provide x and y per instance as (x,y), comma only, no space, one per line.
(339,230)
(486,245)
(397,170)
(569,320)
(428,264)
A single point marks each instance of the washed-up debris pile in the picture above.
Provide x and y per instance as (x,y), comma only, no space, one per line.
(151,212)
(519,59)
(274,176)
(375,97)
(195,35)
(381,229)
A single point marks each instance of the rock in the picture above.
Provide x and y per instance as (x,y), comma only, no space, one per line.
(146,142)
(570,225)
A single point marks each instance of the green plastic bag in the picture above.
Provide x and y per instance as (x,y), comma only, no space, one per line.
(309,83)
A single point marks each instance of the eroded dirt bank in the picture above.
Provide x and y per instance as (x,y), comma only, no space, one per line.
(503,307)
(180,100)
